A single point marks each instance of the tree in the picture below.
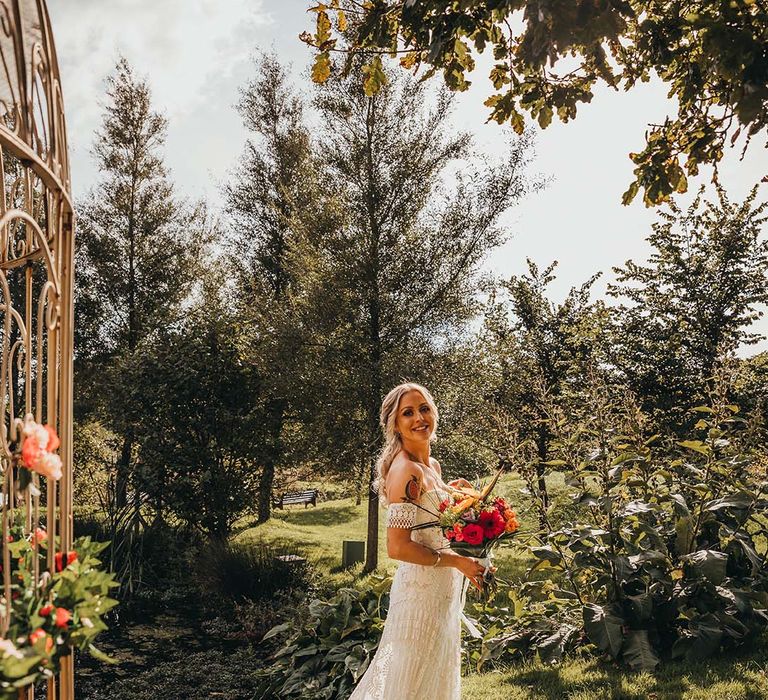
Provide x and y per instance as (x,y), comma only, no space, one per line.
(710,54)
(203,424)
(692,302)
(271,184)
(392,285)
(538,355)
(138,248)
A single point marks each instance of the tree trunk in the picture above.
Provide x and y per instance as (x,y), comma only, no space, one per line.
(541,447)
(124,470)
(275,417)
(359,481)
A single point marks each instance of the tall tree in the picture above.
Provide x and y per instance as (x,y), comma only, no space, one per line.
(538,354)
(138,248)
(711,55)
(695,298)
(271,185)
(203,422)
(394,282)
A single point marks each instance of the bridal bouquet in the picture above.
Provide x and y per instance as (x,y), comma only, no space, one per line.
(474,523)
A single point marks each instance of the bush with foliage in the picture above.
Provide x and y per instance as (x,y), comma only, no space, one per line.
(667,555)
(326,651)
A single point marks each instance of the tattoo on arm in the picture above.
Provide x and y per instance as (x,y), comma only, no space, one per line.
(412,489)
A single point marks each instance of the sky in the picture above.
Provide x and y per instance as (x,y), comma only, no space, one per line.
(196,54)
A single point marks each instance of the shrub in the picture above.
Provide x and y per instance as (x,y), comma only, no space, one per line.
(327,651)
(667,557)
(239,572)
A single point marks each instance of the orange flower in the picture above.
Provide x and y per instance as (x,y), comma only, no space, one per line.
(461,506)
(63,616)
(40,536)
(511,524)
(59,560)
(30,451)
(53,439)
(46,610)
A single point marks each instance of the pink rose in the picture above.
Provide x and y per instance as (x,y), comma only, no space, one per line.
(458,534)
(49,465)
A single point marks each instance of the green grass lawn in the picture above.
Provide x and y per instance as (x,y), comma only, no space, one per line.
(318,533)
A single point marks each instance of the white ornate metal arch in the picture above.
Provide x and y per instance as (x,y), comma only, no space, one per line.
(36,277)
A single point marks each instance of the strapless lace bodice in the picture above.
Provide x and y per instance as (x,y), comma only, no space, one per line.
(419,653)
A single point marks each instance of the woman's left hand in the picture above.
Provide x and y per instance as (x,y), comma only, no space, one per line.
(460,484)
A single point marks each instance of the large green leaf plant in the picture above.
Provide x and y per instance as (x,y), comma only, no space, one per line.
(663,555)
(326,651)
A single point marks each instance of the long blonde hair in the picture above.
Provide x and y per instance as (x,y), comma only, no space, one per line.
(393,444)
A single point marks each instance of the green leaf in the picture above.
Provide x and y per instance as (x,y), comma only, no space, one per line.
(375,77)
(683,535)
(696,446)
(552,649)
(707,635)
(546,554)
(641,607)
(741,499)
(321,68)
(638,652)
(99,655)
(708,563)
(279,629)
(636,508)
(631,193)
(603,627)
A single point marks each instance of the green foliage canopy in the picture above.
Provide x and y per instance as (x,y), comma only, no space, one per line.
(551,54)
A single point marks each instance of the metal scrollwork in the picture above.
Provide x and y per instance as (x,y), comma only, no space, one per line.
(36,268)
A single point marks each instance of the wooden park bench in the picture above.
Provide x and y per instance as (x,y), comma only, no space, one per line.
(297,498)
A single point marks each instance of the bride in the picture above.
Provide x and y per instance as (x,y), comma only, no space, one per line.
(419,653)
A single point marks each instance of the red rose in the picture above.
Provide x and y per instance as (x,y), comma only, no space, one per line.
(46,610)
(443,505)
(473,534)
(63,616)
(492,523)
(59,559)
(53,439)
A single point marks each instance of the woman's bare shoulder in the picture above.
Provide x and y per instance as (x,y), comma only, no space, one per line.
(404,480)
(435,465)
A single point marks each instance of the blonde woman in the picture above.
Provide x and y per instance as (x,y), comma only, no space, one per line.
(419,653)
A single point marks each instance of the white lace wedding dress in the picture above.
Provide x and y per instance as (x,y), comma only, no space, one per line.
(419,653)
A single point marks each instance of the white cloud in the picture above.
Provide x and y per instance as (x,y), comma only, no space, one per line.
(197,53)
